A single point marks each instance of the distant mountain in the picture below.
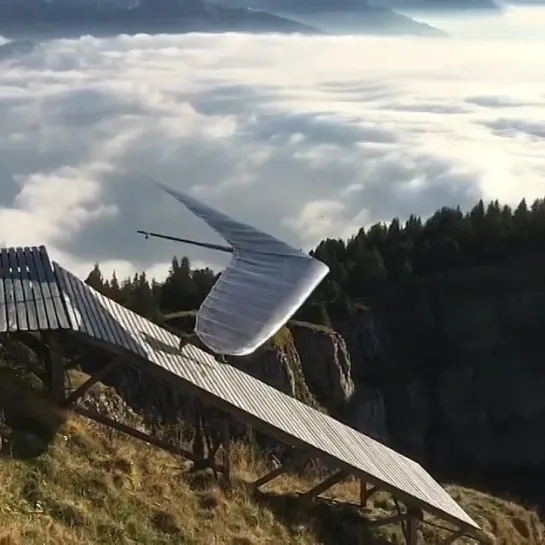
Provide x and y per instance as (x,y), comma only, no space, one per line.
(37,18)
(439,5)
(341,16)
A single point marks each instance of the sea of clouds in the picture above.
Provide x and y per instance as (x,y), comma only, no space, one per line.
(303,137)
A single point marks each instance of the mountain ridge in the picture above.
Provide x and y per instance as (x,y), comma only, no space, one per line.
(26,18)
(352,16)
(442,6)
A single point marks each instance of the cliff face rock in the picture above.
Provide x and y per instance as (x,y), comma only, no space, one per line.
(495,415)
(367,413)
(458,361)
(389,401)
(326,365)
(367,343)
(278,363)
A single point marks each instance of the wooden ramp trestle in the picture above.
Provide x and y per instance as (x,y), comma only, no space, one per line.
(45,307)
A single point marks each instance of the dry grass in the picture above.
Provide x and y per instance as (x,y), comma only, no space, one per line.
(95,486)
(507,522)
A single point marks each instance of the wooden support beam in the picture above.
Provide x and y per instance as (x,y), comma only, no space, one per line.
(363,493)
(323,486)
(413,522)
(87,385)
(294,462)
(366,493)
(451,539)
(205,428)
(92,415)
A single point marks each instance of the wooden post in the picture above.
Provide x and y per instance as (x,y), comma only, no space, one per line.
(198,443)
(363,494)
(205,429)
(226,457)
(203,449)
(414,516)
(55,366)
(209,447)
(412,531)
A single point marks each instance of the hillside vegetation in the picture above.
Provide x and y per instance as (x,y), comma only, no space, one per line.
(95,486)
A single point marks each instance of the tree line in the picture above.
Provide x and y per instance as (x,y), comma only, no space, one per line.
(364,264)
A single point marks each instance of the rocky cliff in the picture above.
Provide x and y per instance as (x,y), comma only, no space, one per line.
(455,364)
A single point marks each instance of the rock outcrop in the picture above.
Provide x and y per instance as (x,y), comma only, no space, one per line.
(278,363)
(326,365)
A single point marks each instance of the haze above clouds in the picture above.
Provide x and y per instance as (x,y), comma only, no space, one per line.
(305,137)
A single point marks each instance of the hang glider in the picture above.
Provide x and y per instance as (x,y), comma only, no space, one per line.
(264,284)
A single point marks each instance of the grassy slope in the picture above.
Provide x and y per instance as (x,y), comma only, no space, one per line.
(95,486)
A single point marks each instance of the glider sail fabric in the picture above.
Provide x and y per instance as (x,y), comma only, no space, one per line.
(264,284)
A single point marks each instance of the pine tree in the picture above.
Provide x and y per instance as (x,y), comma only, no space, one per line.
(96,280)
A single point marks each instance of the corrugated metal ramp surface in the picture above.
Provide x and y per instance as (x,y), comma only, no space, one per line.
(97,316)
(29,295)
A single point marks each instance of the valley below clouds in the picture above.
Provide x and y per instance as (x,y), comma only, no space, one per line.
(305,137)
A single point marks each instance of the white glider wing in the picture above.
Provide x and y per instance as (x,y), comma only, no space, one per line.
(262,287)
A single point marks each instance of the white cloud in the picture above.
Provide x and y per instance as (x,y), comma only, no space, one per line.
(317,220)
(303,137)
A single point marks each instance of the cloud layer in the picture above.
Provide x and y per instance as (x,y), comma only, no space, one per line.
(303,137)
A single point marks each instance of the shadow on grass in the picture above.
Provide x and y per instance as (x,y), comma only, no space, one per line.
(332,522)
(33,421)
